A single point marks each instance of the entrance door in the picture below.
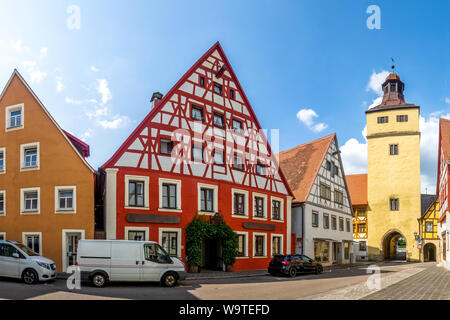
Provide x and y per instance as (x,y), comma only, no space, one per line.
(213,257)
(444,246)
(336,252)
(72,248)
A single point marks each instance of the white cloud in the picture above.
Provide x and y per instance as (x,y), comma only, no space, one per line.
(116,123)
(102,88)
(19,47)
(43,53)
(376,80)
(376,102)
(94,69)
(87,134)
(307,116)
(354,155)
(36,75)
(447,100)
(79,102)
(97,112)
(59,85)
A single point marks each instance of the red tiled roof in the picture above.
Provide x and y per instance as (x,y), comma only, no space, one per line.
(444,125)
(301,164)
(357,187)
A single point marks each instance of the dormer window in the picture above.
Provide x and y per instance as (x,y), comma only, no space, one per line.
(237,126)
(217,88)
(231,94)
(197,113)
(260,169)
(218,120)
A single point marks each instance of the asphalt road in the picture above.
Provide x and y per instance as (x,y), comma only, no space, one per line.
(340,281)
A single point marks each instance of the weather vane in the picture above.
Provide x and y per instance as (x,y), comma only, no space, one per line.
(393,66)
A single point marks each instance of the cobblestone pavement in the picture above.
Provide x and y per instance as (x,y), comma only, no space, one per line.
(431,284)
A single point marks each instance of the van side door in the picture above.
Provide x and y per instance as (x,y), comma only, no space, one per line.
(126,260)
(9,264)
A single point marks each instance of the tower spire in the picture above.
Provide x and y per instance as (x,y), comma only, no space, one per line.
(393,65)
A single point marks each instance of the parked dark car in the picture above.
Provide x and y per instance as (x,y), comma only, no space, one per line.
(292,264)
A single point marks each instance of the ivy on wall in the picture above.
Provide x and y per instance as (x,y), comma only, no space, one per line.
(201,228)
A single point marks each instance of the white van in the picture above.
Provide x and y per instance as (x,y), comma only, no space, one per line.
(102,261)
(18,261)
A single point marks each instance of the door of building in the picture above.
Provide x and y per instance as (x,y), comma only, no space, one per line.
(337,252)
(72,248)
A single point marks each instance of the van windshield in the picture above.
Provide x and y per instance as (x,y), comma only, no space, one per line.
(27,250)
(154,252)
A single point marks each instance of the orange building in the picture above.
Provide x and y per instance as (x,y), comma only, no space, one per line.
(46,185)
(357,186)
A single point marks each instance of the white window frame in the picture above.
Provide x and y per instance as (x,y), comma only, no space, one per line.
(145,229)
(8,111)
(266,211)
(254,244)
(3,151)
(24,242)
(281,200)
(179,234)
(22,201)
(22,156)
(215,187)
(146,181)
(2,214)
(58,210)
(246,203)
(169,181)
(3,234)
(246,244)
(271,243)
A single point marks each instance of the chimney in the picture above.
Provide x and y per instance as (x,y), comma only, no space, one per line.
(156,97)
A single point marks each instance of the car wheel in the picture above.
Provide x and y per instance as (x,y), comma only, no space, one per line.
(169,280)
(30,276)
(319,269)
(98,280)
(292,272)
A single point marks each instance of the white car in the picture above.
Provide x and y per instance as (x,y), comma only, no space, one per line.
(18,261)
(102,261)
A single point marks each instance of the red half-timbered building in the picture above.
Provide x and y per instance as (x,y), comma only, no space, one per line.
(442,189)
(200,151)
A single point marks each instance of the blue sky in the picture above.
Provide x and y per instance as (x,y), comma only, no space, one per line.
(316,56)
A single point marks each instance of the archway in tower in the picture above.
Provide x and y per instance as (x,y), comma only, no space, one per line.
(394,246)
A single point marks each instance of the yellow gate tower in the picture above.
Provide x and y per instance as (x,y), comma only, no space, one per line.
(393,182)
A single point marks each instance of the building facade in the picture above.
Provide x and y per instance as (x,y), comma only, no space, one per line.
(46,185)
(200,152)
(393,190)
(428,228)
(442,190)
(357,186)
(322,212)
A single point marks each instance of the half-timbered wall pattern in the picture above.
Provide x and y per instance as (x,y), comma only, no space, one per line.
(335,182)
(173,121)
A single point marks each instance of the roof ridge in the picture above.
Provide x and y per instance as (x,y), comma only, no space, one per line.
(311,142)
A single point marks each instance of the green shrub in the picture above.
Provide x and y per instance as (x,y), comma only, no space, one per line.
(200,229)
